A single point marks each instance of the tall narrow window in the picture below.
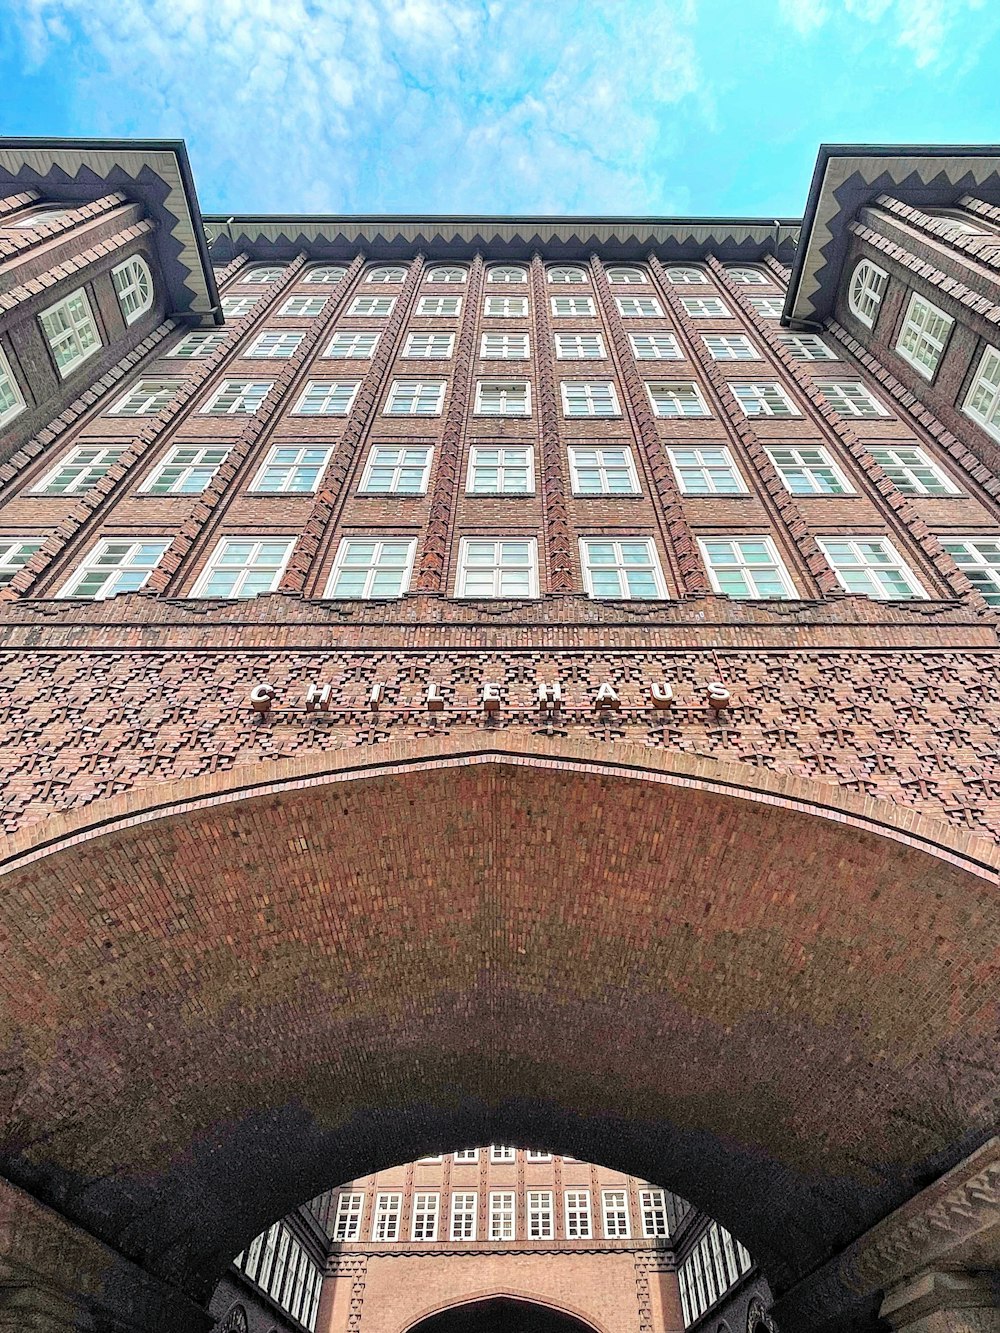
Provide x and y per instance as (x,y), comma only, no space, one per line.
(603,470)
(271,343)
(706,470)
(350,1210)
(115,565)
(507,567)
(145,398)
(867,287)
(682,1282)
(745,567)
(500,470)
(564,307)
(911,471)
(720,1266)
(595,398)
(396,471)
(424,1224)
(368,567)
(709,1270)
(244,567)
(385,1226)
(615,1206)
(502,1215)
(352,345)
(463,1216)
(979,560)
(11,398)
(541,1225)
(655,347)
(133,285)
(238,397)
(15,552)
(982,403)
(327,398)
(653,1207)
(871,567)
(621,569)
(186,470)
(577,1208)
(729,1251)
(923,335)
(71,331)
(291,469)
(680,398)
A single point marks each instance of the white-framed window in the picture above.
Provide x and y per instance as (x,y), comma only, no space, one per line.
(705,307)
(865,291)
(744,1256)
(709,1270)
(186,470)
(397,470)
(82,468)
(501,470)
(624,275)
(678,398)
(467,1155)
(614,1204)
(871,567)
(850,398)
(653,1210)
(439,305)
(982,402)
(15,552)
(730,347)
(145,398)
(446,273)
(808,469)
(807,347)
(291,469)
(589,398)
(923,335)
(270,273)
(368,567)
(506,307)
(133,285)
(326,398)
(114,565)
(572,307)
(568,273)
(768,307)
(352,345)
(199,343)
(748,277)
(655,347)
(911,471)
(329,274)
(235,307)
(682,1282)
(699,1283)
(503,398)
(429,346)
(387,273)
(350,1212)
(372,306)
(622,569)
(580,347)
(464,1207)
(244,567)
(39,217)
(540,1216)
(424,1220)
(763,398)
(499,1152)
(729,1250)
(720,1263)
(745,567)
(536,1155)
(979,560)
(237,397)
(576,1205)
(507,273)
(71,331)
(273,343)
(505,347)
(959,223)
(706,469)
(635,307)
(415,398)
(433,1157)
(303,305)
(385,1223)
(682,276)
(502,1215)
(11,398)
(497,567)
(603,470)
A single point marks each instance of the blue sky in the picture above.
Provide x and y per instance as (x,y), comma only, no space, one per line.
(504,106)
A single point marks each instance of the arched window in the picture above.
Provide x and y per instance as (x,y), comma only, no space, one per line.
(134,285)
(389,274)
(864,296)
(748,277)
(959,223)
(682,277)
(507,273)
(235,1321)
(445,274)
(567,273)
(270,273)
(39,217)
(327,273)
(622,276)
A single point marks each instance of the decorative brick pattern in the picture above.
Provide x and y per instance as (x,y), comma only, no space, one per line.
(983,250)
(14,243)
(558,542)
(46,281)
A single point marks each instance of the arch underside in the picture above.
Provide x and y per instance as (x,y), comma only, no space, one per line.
(502,1314)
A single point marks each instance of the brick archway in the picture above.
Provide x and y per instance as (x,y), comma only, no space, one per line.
(504,1312)
(227,995)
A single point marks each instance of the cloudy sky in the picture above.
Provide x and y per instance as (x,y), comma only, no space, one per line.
(538,106)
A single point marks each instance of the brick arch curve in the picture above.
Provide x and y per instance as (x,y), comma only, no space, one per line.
(520,1296)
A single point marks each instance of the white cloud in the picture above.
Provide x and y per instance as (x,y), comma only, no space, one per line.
(920,27)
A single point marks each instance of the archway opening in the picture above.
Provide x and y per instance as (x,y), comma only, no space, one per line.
(502,1314)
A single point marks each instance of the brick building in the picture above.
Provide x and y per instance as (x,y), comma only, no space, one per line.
(499,680)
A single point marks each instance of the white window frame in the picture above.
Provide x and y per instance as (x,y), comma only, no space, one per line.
(321,273)
(235,408)
(730,347)
(425,1216)
(587,388)
(501,1154)
(668,340)
(238,307)
(762,397)
(972,561)
(557,274)
(799,462)
(39,217)
(464,1220)
(456,274)
(845,403)
(480,411)
(386,1217)
(767,307)
(537,1155)
(565,307)
(918,592)
(577,1220)
(705,467)
(133,284)
(297,410)
(73,335)
(205,341)
(653,385)
(626,275)
(466,1156)
(461,576)
(503,1215)
(257,486)
(505,307)
(349,1217)
(372,462)
(196,464)
(802,346)
(982,402)
(311,306)
(359,302)
(507,273)
(576,463)
(921,313)
(143,397)
(9,384)
(415,390)
(776,561)
(510,349)
(333,353)
(271,273)
(256,541)
(613,1228)
(704,307)
(897,462)
(540,1216)
(389,274)
(680,275)
(426,338)
(570,347)
(84,482)
(11,551)
(373,569)
(638,307)
(280,340)
(435,307)
(620,567)
(653,1211)
(866,290)
(501,448)
(748,277)
(90,563)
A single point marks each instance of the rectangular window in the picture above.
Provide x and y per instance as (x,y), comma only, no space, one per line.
(502,1215)
(501,470)
(699,1284)
(977,557)
(541,1225)
(145,398)
(504,347)
(570,307)
(303,305)
(186,470)
(396,471)
(729,1251)
(467,1155)
(982,402)
(850,398)
(806,347)
(720,1266)
(500,1153)
(680,398)
(439,305)
(270,1253)
(244,567)
(507,567)
(706,470)
(415,398)
(580,347)
(15,552)
(745,567)
(911,471)
(746,1263)
(506,307)
(199,344)
(615,1207)
(534,1155)
(115,565)
(82,468)
(704,307)
(596,398)
(808,470)
(655,347)
(708,1270)
(730,347)
(429,346)
(923,335)
(577,1208)
(764,399)
(622,569)
(871,567)
(503,398)
(326,398)
(633,307)
(71,331)
(653,1207)
(463,1217)
(368,567)
(385,1226)
(235,307)
(372,306)
(769,307)
(238,396)
(682,1282)
(603,471)
(291,469)
(424,1225)
(350,1210)
(351,345)
(272,344)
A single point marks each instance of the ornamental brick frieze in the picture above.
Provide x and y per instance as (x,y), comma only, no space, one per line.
(44,282)
(19,242)
(556,532)
(984,249)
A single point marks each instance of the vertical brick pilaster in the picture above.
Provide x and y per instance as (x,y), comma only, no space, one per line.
(778,269)
(556,535)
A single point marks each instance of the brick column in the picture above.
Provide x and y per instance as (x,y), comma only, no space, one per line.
(556,536)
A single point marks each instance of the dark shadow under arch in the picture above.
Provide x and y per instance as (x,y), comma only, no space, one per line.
(502,1314)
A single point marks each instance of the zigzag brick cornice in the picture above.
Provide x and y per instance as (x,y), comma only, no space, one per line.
(11,203)
(20,242)
(958,291)
(558,539)
(983,250)
(114,245)
(980,206)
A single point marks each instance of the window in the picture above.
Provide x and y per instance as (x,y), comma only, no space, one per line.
(621,569)
(325,273)
(415,398)
(467,1155)
(387,1210)
(347,1223)
(533,1155)
(923,336)
(352,346)
(434,1157)
(11,398)
(745,1261)
(729,1250)
(630,307)
(706,470)
(424,1224)
(238,396)
(748,277)
(327,398)
(682,1282)
(911,471)
(372,305)
(730,347)
(655,347)
(653,1207)
(446,273)
(501,1215)
(234,307)
(540,1218)
(291,470)
(704,307)
(564,307)
(808,470)
(850,398)
(982,402)
(623,276)
(39,217)
(567,273)
(303,305)
(145,398)
(745,567)
(115,565)
(133,285)
(682,277)
(977,557)
(500,470)
(577,1208)
(429,346)
(392,471)
(507,273)
(82,468)
(506,307)
(15,552)
(679,399)
(720,1263)
(806,347)
(439,305)
(505,347)
(273,344)
(768,307)
(865,292)
(956,224)
(503,398)
(763,399)
(186,470)
(371,567)
(615,1205)
(507,567)
(71,332)
(580,347)
(708,1270)
(596,398)
(389,273)
(603,471)
(499,1153)
(463,1216)
(199,343)
(244,567)
(871,567)
(270,274)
